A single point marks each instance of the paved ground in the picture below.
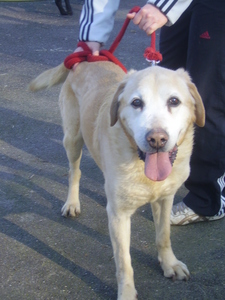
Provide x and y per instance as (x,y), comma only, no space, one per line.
(45,256)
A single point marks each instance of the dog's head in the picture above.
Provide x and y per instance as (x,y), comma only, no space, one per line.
(156,106)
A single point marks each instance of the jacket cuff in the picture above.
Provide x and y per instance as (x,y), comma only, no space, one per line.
(171,9)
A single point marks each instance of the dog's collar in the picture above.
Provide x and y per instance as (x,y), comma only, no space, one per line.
(141,154)
(172,154)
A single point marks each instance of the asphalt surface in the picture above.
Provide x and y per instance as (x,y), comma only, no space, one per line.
(43,255)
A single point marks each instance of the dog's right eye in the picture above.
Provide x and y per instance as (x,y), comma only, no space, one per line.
(137,103)
(173,102)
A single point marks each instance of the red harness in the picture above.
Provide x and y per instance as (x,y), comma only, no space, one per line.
(107,55)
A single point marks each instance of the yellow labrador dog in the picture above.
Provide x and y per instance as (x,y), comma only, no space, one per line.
(139,130)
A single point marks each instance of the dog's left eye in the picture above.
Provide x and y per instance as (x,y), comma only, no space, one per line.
(137,103)
(173,102)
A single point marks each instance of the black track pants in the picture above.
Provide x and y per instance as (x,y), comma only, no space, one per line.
(196,42)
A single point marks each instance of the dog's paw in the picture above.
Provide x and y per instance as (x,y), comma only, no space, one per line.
(128,294)
(70,209)
(177,271)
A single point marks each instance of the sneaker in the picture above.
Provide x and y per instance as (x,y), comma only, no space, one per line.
(181,214)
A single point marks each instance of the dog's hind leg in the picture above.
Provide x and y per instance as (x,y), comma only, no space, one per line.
(73,143)
(72,206)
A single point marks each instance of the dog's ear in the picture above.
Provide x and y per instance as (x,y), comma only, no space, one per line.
(117,97)
(199,107)
(115,104)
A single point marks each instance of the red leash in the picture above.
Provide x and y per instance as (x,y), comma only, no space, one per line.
(107,55)
(150,54)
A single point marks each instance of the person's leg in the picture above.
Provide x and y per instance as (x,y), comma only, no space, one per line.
(206,64)
(60,7)
(68,7)
(183,48)
(173,43)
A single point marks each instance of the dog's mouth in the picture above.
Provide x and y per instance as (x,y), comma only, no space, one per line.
(158,166)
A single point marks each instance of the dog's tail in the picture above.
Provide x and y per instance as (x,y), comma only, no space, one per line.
(49,78)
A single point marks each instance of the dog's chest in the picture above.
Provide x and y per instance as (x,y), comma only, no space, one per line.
(134,189)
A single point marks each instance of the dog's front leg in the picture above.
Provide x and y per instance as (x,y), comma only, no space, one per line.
(171,266)
(119,229)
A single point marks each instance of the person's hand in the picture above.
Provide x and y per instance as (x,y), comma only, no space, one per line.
(149,18)
(94,46)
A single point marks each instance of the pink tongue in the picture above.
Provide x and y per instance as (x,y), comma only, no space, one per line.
(157,166)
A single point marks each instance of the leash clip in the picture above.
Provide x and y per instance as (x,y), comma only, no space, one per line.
(153,62)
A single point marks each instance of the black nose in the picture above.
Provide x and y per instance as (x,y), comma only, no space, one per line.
(157,138)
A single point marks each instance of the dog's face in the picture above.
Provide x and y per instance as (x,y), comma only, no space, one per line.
(156,106)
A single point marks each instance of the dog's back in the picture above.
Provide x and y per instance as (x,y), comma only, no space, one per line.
(93,85)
